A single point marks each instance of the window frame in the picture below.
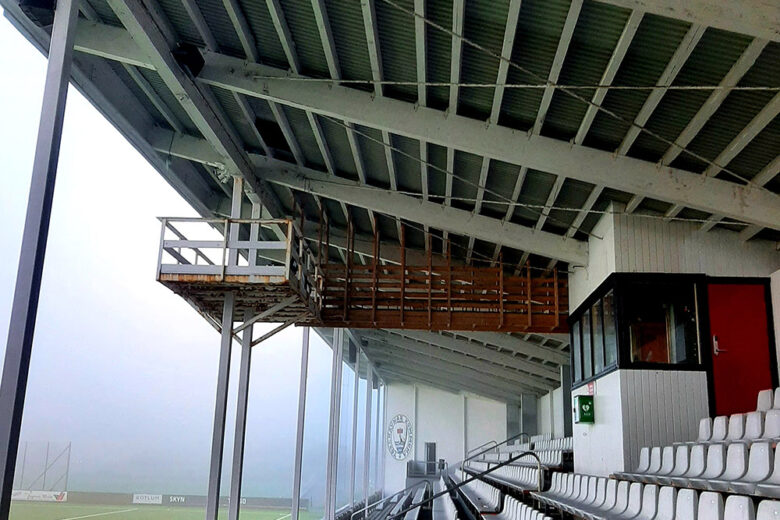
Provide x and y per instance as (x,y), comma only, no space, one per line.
(619,283)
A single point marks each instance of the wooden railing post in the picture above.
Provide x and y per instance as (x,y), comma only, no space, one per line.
(403,271)
(375,267)
(529,291)
(430,279)
(501,290)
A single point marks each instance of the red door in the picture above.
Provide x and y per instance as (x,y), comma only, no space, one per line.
(740,345)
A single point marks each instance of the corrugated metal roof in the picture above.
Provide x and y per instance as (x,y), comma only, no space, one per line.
(538,31)
(643,64)
(597,32)
(349,35)
(303,28)
(397,43)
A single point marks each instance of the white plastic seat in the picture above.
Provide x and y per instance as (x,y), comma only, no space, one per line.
(667,466)
(705,432)
(765,400)
(696,465)
(710,506)
(760,464)
(776,402)
(687,505)
(720,425)
(736,466)
(771,486)
(736,428)
(771,425)
(667,496)
(714,467)
(620,504)
(649,503)
(739,508)
(768,510)
(642,467)
(681,461)
(634,502)
(610,497)
(754,427)
(653,467)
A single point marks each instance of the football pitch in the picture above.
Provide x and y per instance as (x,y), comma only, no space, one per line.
(33,511)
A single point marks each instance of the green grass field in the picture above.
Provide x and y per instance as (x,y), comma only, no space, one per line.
(38,511)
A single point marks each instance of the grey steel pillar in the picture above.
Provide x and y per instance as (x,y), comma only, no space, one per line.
(13,385)
(296,498)
(241,409)
(352,473)
(333,436)
(367,435)
(528,414)
(566,389)
(220,409)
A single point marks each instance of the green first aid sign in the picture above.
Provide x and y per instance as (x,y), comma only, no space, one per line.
(583,409)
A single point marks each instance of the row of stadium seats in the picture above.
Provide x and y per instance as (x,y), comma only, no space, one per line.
(443,506)
(520,478)
(419,496)
(514,510)
(596,498)
(481,495)
(747,428)
(548,458)
(737,469)
(564,443)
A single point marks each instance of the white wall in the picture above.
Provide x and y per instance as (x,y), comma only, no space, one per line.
(558,413)
(544,414)
(455,422)
(636,244)
(636,408)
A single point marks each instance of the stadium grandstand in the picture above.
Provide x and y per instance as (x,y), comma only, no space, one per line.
(539,238)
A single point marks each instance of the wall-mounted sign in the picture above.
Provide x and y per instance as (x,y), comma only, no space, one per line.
(400,437)
(583,409)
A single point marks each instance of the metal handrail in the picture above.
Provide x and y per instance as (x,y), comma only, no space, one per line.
(477,477)
(496,446)
(369,506)
(482,446)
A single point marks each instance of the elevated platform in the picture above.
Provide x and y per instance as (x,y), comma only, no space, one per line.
(266,276)
(282,280)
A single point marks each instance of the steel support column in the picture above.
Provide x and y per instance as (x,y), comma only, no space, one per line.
(36,231)
(367,434)
(333,434)
(220,409)
(296,497)
(352,473)
(240,432)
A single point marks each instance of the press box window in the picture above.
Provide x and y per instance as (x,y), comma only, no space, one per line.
(661,321)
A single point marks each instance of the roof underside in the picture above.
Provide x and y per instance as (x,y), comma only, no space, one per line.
(732,136)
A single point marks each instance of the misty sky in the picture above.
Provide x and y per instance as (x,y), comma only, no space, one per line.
(121,367)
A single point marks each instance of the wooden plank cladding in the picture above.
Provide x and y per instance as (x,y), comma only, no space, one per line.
(442,298)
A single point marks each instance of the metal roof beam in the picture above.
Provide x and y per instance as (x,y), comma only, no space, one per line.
(759,18)
(386,350)
(450,374)
(481,352)
(154,37)
(425,213)
(538,152)
(684,50)
(412,376)
(454,358)
(283,32)
(546,154)
(518,346)
(510,32)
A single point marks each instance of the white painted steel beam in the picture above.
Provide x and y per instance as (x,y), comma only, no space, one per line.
(481,352)
(538,152)
(425,213)
(154,37)
(410,350)
(518,346)
(759,18)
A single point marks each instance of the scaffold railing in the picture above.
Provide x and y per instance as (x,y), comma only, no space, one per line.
(264,261)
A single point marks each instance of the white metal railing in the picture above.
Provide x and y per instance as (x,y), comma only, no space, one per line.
(233,247)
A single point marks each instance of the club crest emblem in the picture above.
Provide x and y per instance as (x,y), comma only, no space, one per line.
(400,437)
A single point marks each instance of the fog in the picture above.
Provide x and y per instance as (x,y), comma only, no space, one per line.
(122,368)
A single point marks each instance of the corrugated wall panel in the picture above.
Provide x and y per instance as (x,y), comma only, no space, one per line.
(660,407)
